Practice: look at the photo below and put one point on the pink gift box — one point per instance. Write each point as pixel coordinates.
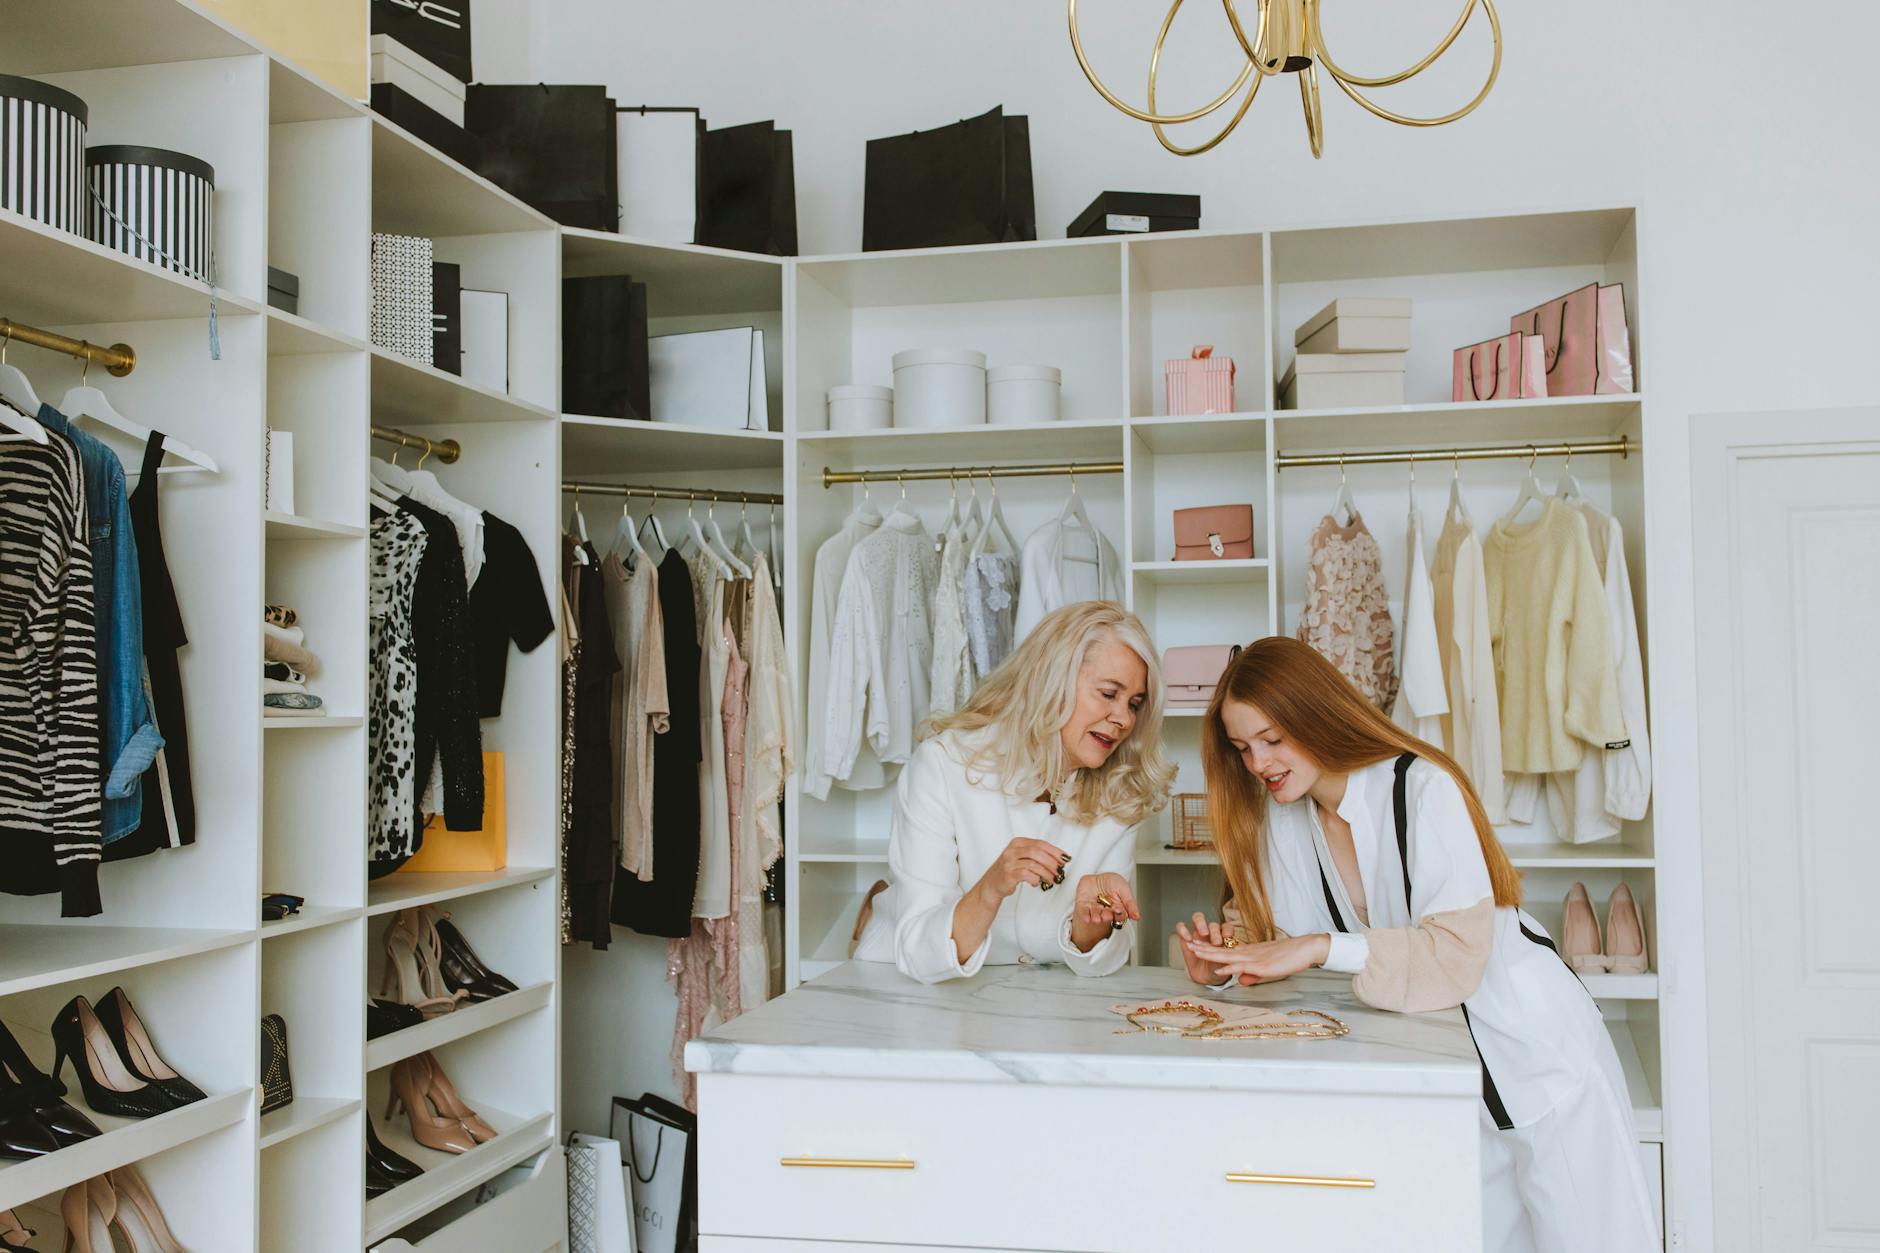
(1200, 383)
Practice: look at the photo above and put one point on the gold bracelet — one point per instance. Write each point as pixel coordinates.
(1208, 1018)
(1330, 1029)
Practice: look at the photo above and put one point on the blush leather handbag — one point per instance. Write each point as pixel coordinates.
(1191, 673)
(1214, 533)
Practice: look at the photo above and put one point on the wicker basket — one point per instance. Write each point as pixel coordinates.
(1190, 823)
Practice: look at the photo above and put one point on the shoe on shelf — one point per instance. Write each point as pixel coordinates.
(13, 1233)
(103, 1076)
(89, 1208)
(378, 1183)
(411, 969)
(390, 1163)
(1579, 934)
(44, 1094)
(22, 1134)
(1625, 934)
(139, 1219)
(866, 912)
(443, 1094)
(460, 963)
(432, 1128)
(385, 1017)
(128, 1033)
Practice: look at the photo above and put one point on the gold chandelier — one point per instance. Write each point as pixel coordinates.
(1286, 40)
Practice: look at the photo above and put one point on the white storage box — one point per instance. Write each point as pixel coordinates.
(1017, 394)
(1358, 324)
(42, 153)
(710, 378)
(1342, 380)
(939, 387)
(860, 407)
(421, 79)
(484, 317)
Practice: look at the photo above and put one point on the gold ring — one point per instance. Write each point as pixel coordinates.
(1105, 901)
(1231, 942)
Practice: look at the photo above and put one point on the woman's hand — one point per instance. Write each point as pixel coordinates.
(1213, 934)
(1112, 888)
(1023, 861)
(1259, 963)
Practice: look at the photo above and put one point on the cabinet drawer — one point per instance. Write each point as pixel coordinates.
(1097, 1169)
(529, 1215)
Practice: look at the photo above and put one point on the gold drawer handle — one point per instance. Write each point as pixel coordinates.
(1310, 1181)
(847, 1163)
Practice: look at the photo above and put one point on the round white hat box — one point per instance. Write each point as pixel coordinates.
(860, 407)
(939, 387)
(1023, 394)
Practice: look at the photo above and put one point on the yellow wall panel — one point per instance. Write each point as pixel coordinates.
(323, 37)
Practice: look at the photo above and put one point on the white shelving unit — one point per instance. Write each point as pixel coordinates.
(303, 178)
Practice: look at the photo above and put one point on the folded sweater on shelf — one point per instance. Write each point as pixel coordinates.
(285, 644)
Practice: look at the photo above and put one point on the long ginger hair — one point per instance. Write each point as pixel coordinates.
(1317, 708)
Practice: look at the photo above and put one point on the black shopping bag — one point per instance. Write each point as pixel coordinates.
(659, 1149)
(747, 189)
(437, 30)
(604, 370)
(968, 183)
(550, 145)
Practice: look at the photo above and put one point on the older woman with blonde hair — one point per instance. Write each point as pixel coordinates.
(1037, 783)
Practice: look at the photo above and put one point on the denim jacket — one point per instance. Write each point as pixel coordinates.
(130, 736)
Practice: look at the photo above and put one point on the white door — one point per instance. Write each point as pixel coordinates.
(1787, 522)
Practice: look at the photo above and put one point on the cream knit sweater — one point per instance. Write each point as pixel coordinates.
(1553, 651)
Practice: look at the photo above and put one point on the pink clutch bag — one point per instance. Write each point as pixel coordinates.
(1588, 343)
(1192, 672)
(1214, 533)
(1200, 383)
(1511, 367)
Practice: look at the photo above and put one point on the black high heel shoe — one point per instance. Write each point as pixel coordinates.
(13, 1233)
(44, 1094)
(394, 1165)
(384, 1017)
(107, 1082)
(21, 1133)
(139, 1051)
(462, 967)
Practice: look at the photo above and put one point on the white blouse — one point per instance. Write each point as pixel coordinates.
(1061, 565)
(950, 825)
(832, 560)
(1421, 701)
(881, 648)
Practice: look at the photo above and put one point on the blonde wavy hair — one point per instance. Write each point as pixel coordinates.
(1025, 703)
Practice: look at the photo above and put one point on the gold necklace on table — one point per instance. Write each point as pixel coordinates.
(1209, 1025)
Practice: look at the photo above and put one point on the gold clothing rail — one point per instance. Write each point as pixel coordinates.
(119, 359)
(1622, 446)
(445, 450)
(831, 478)
(706, 494)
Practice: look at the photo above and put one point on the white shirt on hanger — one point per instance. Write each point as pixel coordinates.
(1473, 723)
(952, 678)
(1061, 565)
(881, 648)
(1421, 700)
(832, 561)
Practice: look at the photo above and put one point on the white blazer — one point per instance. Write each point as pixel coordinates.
(950, 825)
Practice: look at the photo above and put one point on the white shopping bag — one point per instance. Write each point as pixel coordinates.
(656, 1149)
(598, 1221)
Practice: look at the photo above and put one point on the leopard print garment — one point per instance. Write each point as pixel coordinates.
(397, 548)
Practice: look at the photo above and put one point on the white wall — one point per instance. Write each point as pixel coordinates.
(1748, 141)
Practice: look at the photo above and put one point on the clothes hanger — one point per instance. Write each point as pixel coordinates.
(377, 492)
(953, 512)
(868, 512)
(697, 535)
(17, 390)
(995, 521)
(1073, 511)
(747, 542)
(1457, 510)
(577, 526)
(1531, 490)
(1568, 488)
(1344, 499)
(775, 539)
(626, 534)
(86, 401)
(652, 520)
(975, 517)
(723, 550)
(901, 506)
(378, 481)
(393, 477)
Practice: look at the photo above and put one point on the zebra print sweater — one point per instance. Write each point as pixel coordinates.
(51, 775)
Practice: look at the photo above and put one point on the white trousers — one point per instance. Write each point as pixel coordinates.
(1571, 1181)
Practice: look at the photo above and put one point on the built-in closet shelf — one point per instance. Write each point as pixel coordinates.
(407, 891)
(815, 969)
(1647, 1114)
(447, 1175)
(303, 1114)
(414, 394)
(290, 335)
(417, 190)
(296, 96)
(877, 855)
(1471, 422)
(1159, 854)
(293, 526)
(1197, 712)
(43, 956)
(54, 278)
(1188, 573)
(1100, 440)
(604, 447)
(682, 280)
(971, 274)
(1622, 987)
(314, 722)
(1213, 432)
(465, 1020)
(58, 36)
(124, 1141)
(1605, 855)
(309, 918)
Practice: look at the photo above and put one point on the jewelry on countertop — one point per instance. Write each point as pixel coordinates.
(1211, 1025)
(1331, 1029)
(1208, 1018)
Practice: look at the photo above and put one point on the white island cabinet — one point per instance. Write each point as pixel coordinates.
(1008, 1111)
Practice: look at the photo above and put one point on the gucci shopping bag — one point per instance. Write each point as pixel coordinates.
(658, 1142)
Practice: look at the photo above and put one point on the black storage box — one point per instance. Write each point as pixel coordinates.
(283, 290)
(395, 104)
(446, 317)
(437, 30)
(1136, 212)
(604, 372)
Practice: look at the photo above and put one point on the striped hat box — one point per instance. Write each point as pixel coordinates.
(42, 152)
(154, 204)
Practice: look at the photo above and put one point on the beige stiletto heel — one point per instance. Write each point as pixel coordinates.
(1579, 934)
(138, 1215)
(443, 1095)
(88, 1207)
(1625, 934)
(447, 1135)
(13, 1233)
(407, 980)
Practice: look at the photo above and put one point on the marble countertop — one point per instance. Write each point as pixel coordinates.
(1045, 1025)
